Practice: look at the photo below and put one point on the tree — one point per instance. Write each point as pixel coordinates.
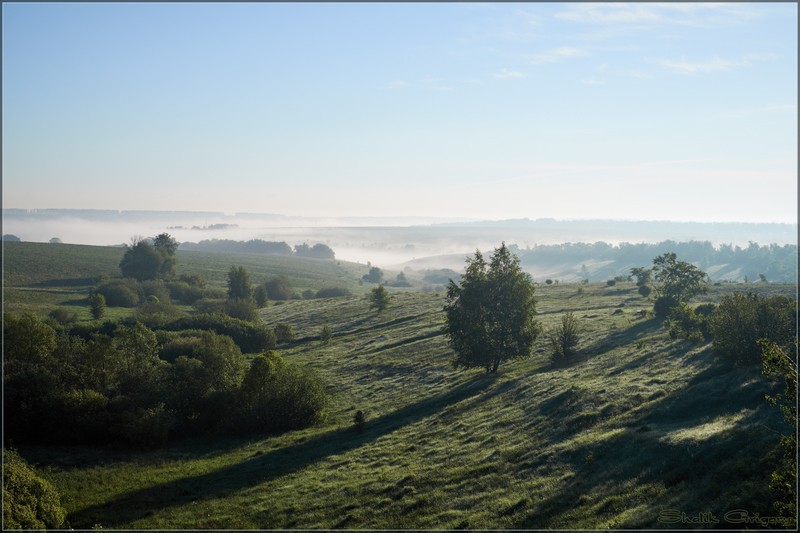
(239, 284)
(375, 275)
(166, 246)
(490, 315)
(141, 261)
(97, 305)
(29, 501)
(676, 282)
(279, 288)
(261, 296)
(379, 298)
(564, 337)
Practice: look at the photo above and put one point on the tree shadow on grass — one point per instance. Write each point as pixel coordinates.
(264, 467)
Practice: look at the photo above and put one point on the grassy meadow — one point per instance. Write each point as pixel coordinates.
(633, 428)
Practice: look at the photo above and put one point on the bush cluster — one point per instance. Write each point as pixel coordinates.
(125, 385)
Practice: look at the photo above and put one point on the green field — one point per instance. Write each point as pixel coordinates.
(634, 426)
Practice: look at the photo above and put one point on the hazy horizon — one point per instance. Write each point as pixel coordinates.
(633, 111)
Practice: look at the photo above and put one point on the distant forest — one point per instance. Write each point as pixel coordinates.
(258, 246)
(600, 260)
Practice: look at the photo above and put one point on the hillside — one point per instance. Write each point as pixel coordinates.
(637, 424)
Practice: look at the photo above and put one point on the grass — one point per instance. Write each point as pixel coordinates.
(633, 425)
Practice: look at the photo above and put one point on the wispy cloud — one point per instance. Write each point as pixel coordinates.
(555, 55)
(505, 74)
(646, 14)
(714, 64)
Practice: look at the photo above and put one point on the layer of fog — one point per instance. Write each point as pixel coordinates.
(389, 243)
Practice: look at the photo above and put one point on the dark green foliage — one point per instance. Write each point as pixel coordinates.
(278, 288)
(644, 290)
(239, 284)
(260, 296)
(97, 305)
(782, 363)
(375, 275)
(11, 238)
(63, 317)
(379, 298)
(676, 282)
(141, 261)
(166, 246)
(326, 334)
(741, 320)
(490, 315)
(284, 332)
(29, 502)
(611, 282)
(250, 337)
(642, 275)
(155, 313)
(279, 397)
(242, 309)
(194, 280)
(120, 293)
(564, 337)
(332, 292)
(183, 292)
(359, 420)
(690, 323)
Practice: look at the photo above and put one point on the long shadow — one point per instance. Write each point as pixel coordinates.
(265, 467)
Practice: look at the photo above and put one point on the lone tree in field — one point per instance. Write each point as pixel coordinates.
(676, 282)
(490, 315)
(564, 337)
(143, 260)
(379, 298)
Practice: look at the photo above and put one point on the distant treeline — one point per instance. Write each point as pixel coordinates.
(258, 246)
(600, 260)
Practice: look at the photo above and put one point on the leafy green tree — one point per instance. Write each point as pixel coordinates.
(564, 337)
(166, 246)
(379, 298)
(141, 261)
(97, 305)
(642, 275)
(239, 284)
(284, 332)
(490, 315)
(676, 282)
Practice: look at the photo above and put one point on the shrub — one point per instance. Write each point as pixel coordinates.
(685, 322)
(564, 337)
(29, 502)
(332, 292)
(611, 282)
(278, 288)
(250, 337)
(308, 294)
(379, 298)
(741, 320)
(183, 293)
(242, 309)
(326, 334)
(359, 420)
(63, 316)
(155, 314)
(261, 295)
(154, 289)
(645, 290)
(284, 332)
(119, 293)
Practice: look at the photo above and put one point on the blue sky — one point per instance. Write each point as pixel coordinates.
(493, 111)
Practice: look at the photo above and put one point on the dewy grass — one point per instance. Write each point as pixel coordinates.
(630, 426)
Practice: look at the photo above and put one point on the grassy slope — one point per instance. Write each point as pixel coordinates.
(635, 424)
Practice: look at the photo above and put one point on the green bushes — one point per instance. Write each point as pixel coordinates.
(120, 293)
(741, 320)
(690, 323)
(250, 337)
(332, 292)
(29, 502)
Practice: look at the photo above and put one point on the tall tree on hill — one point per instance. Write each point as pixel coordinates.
(491, 314)
(239, 284)
(676, 282)
(144, 261)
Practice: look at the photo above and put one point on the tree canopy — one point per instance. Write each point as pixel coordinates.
(490, 314)
(676, 282)
(144, 260)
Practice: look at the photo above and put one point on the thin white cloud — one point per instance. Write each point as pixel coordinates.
(714, 64)
(647, 14)
(505, 74)
(555, 55)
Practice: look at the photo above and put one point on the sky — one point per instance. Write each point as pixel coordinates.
(675, 111)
